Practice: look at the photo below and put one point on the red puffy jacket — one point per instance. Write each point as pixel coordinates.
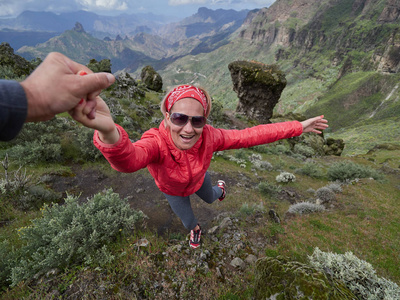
(181, 172)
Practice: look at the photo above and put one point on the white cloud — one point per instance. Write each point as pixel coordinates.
(103, 4)
(185, 2)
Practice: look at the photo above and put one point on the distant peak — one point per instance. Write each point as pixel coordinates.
(78, 27)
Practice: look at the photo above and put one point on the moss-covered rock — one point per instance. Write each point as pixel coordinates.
(151, 78)
(258, 87)
(279, 278)
(334, 146)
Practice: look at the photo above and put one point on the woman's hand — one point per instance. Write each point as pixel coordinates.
(313, 124)
(99, 119)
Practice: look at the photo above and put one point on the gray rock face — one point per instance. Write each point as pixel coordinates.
(258, 87)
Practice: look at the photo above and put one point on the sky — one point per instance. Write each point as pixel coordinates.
(176, 8)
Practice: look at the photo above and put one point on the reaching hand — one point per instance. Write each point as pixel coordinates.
(55, 87)
(100, 119)
(311, 125)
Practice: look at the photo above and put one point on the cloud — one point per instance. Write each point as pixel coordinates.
(220, 2)
(103, 4)
(185, 2)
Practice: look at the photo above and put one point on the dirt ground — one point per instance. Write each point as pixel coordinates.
(142, 193)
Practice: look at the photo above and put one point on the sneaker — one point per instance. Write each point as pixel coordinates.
(194, 241)
(221, 184)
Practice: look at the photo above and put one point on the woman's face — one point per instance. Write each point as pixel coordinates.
(184, 137)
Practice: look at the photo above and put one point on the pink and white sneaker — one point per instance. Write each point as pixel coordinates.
(221, 184)
(195, 235)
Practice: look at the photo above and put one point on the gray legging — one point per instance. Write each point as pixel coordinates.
(181, 205)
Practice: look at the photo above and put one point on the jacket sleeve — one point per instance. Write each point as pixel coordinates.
(262, 134)
(125, 156)
(13, 109)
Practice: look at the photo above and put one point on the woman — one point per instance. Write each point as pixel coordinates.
(179, 152)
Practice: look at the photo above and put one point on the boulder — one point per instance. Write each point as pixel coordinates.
(279, 278)
(334, 147)
(258, 87)
(151, 79)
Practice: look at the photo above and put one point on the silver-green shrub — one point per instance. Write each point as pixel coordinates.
(305, 208)
(347, 170)
(325, 195)
(335, 187)
(267, 188)
(304, 150)
(286, 177)
(73, 233)
(311, 169)
(358, 275)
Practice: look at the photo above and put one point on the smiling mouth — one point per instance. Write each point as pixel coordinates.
(186, 137)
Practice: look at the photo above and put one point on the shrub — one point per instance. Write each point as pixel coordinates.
(357, 274)
(304, 150)
(267, 188)
(347, 170)
(285, 177)
(310, 169)
(326, 195)
(263, 165)
(256, 160)
(34, 197)
(305, 208)
(72, 234)
(335, 187)
(40, 142)
(87, 148)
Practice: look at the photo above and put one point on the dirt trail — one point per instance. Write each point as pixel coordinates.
(140, 190)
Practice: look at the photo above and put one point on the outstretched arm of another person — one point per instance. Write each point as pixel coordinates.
(315, 124)
(55, 87)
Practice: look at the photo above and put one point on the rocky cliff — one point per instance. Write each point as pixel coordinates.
(302, 26)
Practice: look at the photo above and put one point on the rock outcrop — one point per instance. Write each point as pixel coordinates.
(151, 79)
(258, 87)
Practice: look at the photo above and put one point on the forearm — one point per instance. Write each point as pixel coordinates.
(125, 156)
(261, 134)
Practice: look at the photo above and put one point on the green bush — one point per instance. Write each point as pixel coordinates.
(84, 138)
(304, 150)
(40, 142)
(72, 234)
(268, 189)
(310, 169)
(358, 275)
(347, 170)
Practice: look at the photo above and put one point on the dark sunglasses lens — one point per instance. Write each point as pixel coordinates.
(179, 119)
(198, 122)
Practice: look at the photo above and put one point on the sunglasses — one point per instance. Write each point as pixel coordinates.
(181, 120)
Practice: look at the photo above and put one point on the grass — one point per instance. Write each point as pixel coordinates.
(362, 221)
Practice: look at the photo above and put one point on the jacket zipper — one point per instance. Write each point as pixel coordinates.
(189, 169)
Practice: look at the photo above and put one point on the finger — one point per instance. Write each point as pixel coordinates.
(92, 114)
(92, 84)
(73, 66)
(90, 107)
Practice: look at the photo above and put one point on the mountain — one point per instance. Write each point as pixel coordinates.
(213, 30)
(205, 22)
(82, 47)
(341, 59)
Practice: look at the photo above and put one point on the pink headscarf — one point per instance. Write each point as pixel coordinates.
(185, 91)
